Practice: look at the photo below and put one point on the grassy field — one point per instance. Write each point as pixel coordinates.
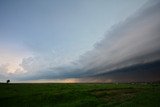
(80, 95)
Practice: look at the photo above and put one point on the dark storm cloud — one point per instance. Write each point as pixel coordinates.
(134, 41)
(129, 44)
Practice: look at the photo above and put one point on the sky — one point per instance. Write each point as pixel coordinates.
(75, 40)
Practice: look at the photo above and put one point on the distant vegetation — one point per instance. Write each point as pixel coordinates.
(80, 95)
(8, 81)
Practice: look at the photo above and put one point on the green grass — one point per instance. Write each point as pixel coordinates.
(80, 95)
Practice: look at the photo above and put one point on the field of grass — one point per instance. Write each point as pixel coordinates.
(80, 95)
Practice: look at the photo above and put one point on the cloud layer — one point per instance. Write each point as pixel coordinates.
(135, 41)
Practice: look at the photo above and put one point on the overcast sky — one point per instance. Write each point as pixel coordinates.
(51, 39)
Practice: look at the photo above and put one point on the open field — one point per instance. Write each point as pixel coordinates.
(80, 95)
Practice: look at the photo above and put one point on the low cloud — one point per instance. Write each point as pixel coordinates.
(134, 41)
(131, 42)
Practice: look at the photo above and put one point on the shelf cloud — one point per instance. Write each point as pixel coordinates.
(126, 53)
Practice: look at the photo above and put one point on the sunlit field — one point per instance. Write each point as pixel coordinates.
(80, 95)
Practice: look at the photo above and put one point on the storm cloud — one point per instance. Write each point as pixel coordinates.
(132, 43)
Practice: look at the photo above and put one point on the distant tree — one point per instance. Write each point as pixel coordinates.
(8, 81)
